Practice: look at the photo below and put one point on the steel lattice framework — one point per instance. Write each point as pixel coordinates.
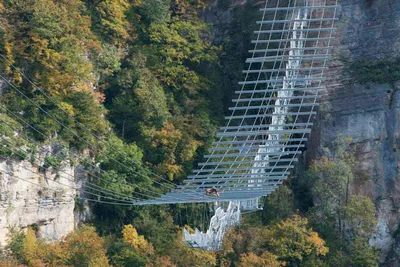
(270, 118)
(272, 114)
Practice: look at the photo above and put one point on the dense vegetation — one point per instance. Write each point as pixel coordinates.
(134, 89)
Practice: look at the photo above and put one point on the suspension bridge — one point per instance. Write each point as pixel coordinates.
(266, 131)
(270, 118)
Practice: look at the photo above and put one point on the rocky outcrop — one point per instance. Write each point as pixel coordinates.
(41, 198)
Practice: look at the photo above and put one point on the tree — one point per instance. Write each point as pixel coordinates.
(111, 21)
(154, 11)
(30, 250)
(54, 43)
(179, 45)
(85, 248)
(278, 206)
(122, 254)
(360, 216)
(138, 242)
(265, 259)
(362, 255)
(331, 181)
(165, 142)
(293, 241)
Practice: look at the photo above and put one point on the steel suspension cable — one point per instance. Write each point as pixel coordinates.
(68, 114)
(97, 187)
(38, 131)
(72, 132)
(68, 186)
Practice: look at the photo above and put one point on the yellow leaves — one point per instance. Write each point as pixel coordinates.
(166, 141)
(289, 242)
(68, 108)
(85, 248)
(188, 6)
(182, 45)
(266, 259)
(360, 216)
(50, 38)
(164, 261)
(318, 243)
(113, 20)
(189, 149)
(170, 169)
(293, 240)
(131, 237)
(30, 249)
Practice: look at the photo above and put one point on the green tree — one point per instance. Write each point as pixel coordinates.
(331, 181)
(360, 216)
(278, 206)
(362, 255)
(154, 11)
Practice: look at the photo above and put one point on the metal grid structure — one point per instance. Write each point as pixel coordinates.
(273, 111)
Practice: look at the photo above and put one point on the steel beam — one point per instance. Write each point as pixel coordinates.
(283, 70)
(299, 124)
(292, 40)
(298, 8)
(296, 20)
(244, 168)
(297, 30)
(290, 49)
(281, 58)
(256, 147)
(229, 185)
(279, 90)
(314, 79)
(312, 97)
(271, 115)
(251, 155)
(260, 141)
(267, 132)
(230, 175)
(267, 178)
(245, 162)
(275, 106)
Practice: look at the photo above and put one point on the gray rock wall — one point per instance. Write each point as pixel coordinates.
(43, 199)
(369, 114)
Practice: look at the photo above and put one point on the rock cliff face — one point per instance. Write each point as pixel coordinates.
(368, 113)
(30, 196)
